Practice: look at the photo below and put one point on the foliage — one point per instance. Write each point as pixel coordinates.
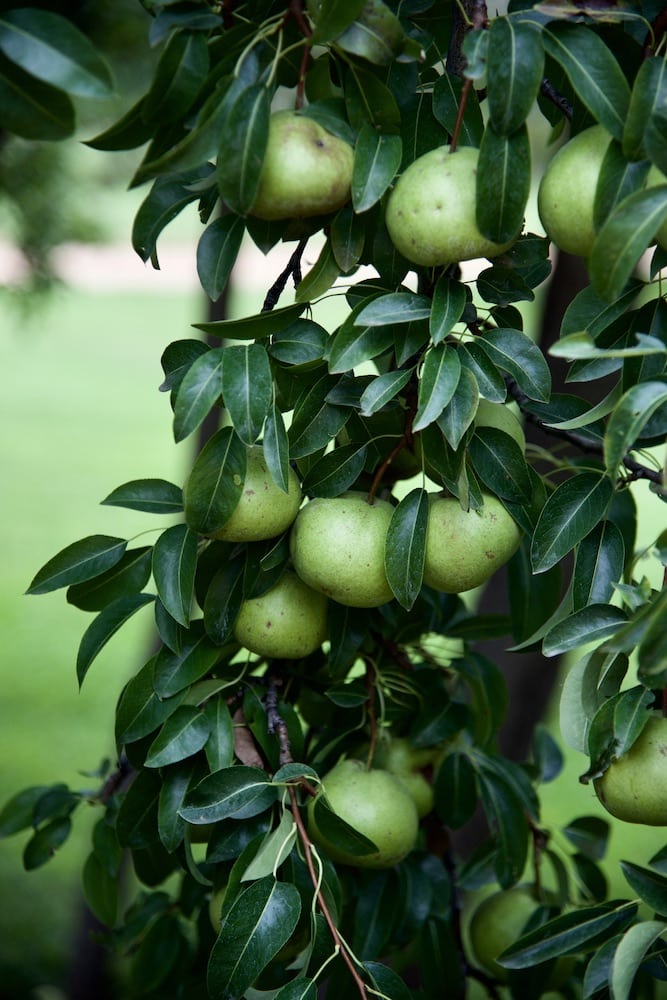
(220, 745)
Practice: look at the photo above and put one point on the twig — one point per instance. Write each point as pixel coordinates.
(293, 267)
(549, 91)
(404, 442)
(372, 717)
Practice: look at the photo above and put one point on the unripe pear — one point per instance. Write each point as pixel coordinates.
(634, 787)
(431, 213)
(264, 510)
(285, 623)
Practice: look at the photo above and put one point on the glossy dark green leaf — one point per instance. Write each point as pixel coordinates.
(590, 835)
(101, 890)
(438, 379)
(460, 411)
(447, 91)
(53, 49)
(301, 343)
(175, 783)
(405, 547)
(369, 100)
(219, 747)
(347, 235)
(388, 982)
(30, 108)
(104, 627)
(237, 792)
(167, 198)
(131, 130)
(275, 445)
(298, 989)
(649, 886)
(515, 353)
(223, 600)
(17, 813)
(599, 565)
(500, 464)
(503, 183)
(455, 790)
(315, 421)
(333, 17)
(618, 178)
(136, 823)
(629, 417)
(321, 276)
(588, 311)
(475, 48)
(377, 36)
(128, 576)
(489, 379)
(570, 513)
(198, 392)
(624, 237)
(506, 816)
(247, 388)
(593, 71)
(176, 361)
(336, 471)
(173, 672)
(577, 931)
(383, 389)
(174, 565)
(377, 157)
(214, 486)
(589, 624)
(648, 97)
(217, 251)
(243, 139)
(182, 735)
(655, 138)
(178, 77)
(515, 67)
(264, 324)
(396, 307)
(630, 954)
(45, 842)
(254, 929)
(333, 829)
(140, 710)
(351, 345)
(153, 496)
(449, 301)
(82, 560)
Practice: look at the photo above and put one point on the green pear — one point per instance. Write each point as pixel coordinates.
(431, 213)
(264, 510)
(306, 170)
(287, 622)
(634, 786)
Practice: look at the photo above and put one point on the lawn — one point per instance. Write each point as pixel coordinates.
(81, 414)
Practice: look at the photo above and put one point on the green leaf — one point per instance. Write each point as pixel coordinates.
(274, 850)
(17, 813)
(315, 421)
(298, 989)
(223, 600)
(173, 672)
(136, 823)
(264, 324)
(217, 251)
(623, 238)
(351, 345)
(648, 98)
(460, 411)
(51, 48)
(45, 842)
(515, 353)
(336, 471)
(438, 379)
(388, 982)
(506, 816)
(153, 496)
(247, 388)
(629, 417)
(590, 836)
(219, 747)
(333, 17)
(128, 576)
(214, 486)
(570, 513)
(377, 157)
(376, 36)
(140, 710)
(489, 380)
(321, 276)
(254, 929)
(333, 829)
(32, 109)
(174, 565)
(649, 886)
(630, 953)
(301, 343)
(82, 560)
(183, 734)
(594, 73)
(369, 100)
(275, 446)
(617, 180)
(383, 389)
(503, 183)
(130, 131)
(589, 624)
(515, 67)
(237, 792)
(198, 392)
(178, 77)
(599, 565)
(396, 307)
(447, 91)
(405, 547)
(347, 235)
(243, 139)
(166, 199)
(449, 301)
(101, 890)
(455, 790)
(104, 626)
(499, 462)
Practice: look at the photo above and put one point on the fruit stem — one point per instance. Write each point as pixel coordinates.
(465, 93)
(372, 717)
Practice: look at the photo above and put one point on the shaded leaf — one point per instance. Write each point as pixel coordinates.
(153, 496)
(243, 139)
(377, 157)
(405, 547)
(247, 388)
(570, 513)
(217, 251)
(503, 183)
(79, 561)
(104, 626)
(174, 565)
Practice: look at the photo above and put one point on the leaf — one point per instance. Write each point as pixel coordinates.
(515, 353)
(336, 471)
(174, 565)
(590, 836)
(264, 324)
(396, 307)
(589, 624)
(377, 157)
(44, 842)
(352, 344)
(455, 790)
(104, 626)
(223, 600)
(459, 413)
(219, 747)
(649, 886)
(217, 251)
(347, 235)
(623, 238)
(198, 392)
(333, 829)
(275, 445)
(599, 565)
(489, 380)
(447, 90)
(617, 179)
(438, 379)
(405, 547)
(503, 183)
(449, 301)
(321, 276)
(254, 929)
(315, 421)
(570, 513)
(183, 734)
(388, 982)
(301, 343)
(237, 792)
(32, 109)
(648, 97)
(499, 462)
(178, 77)
(214, 486)
(514, 67)
(243, 138)
(128, 576)
(247, 388)
(140, 710)
(168, 196)
(51, 48)
(334, 17)
(383, 389)
(153, 496)
(506, 816)
(630, 953)
(274, 850)
(629, 417)
(594, 73)
(82, 560)
(173, 672)
(17, 813)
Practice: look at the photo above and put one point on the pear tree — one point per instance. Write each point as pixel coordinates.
(320, 651)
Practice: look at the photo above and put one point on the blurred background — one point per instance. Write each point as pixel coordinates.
(83, 323)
